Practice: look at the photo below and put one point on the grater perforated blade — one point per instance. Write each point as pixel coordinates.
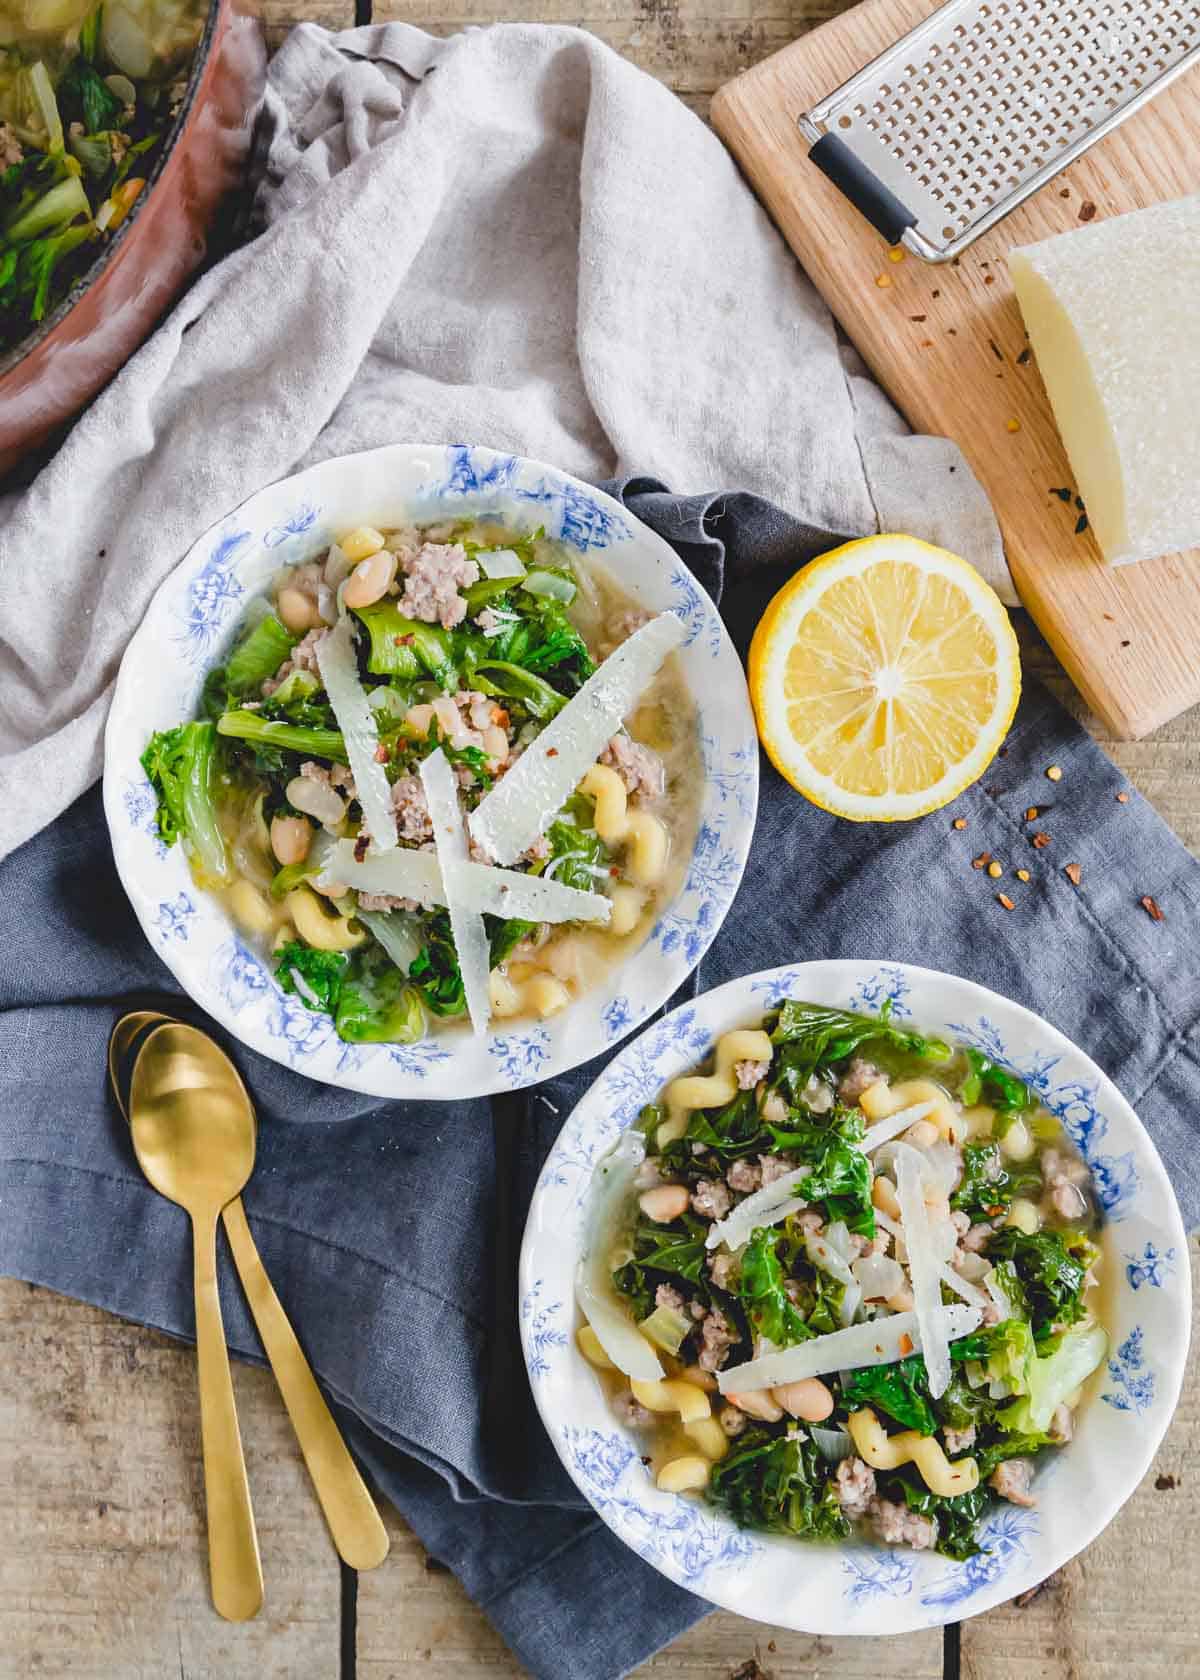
(980, 105)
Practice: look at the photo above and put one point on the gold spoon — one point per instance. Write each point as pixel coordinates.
(355, 1524)
(194, 1140)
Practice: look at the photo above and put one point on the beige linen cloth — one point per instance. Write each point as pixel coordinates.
(512, 238)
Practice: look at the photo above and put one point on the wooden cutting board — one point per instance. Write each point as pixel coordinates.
(948, 344)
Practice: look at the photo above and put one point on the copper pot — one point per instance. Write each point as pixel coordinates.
(50, 375)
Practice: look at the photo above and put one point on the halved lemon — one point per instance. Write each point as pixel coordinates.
(884, 678)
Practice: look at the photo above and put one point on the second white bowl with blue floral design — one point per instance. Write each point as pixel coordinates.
(856, 1588)
(187, 629)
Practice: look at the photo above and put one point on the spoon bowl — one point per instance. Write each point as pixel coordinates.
(192, 1119)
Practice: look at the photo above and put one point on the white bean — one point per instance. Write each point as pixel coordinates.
(808, 1399)
(1017, 1143)
(370, 580)
(290, 838)
(317, 800)
(665, 1202)
(758, 1403)
(297, 610)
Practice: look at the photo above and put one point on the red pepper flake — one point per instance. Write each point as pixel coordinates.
(1073, 873)
(1040, 841)
(982, 861)
(405, 641)
(1031, 814)
(551, 752)
(1064, 192)
(960, 822)
(360, 847)
(381, 754)
(1022, 874)
(906, 1344)
(989, 279)
(1150, 906)
(1003, 899)
(1122, 798)
(1086, 210)
(614, 872)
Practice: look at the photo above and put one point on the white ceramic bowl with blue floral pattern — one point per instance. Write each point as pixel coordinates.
(861, 1588)
(187, 629)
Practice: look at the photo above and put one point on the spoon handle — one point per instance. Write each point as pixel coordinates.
(355, 1524)
(234, 1565)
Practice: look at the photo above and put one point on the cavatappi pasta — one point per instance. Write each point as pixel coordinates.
(867, 1263)
(348, 680)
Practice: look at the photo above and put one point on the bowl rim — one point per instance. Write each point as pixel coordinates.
(736, 1002)
(392, 1081)
(107, 254)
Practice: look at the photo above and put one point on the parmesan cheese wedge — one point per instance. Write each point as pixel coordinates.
(450, 838)
(494, 892)
(1112, 315)
(883, 1341)
(507, 821)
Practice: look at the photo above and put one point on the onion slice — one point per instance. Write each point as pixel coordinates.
(499, 563)
(737, 1227)
(339, 672)
(508, 820)
(470, 935)
(396, 931)
(966, 1291)
(883, 1131)
(615, 1330)
(924, 1267)
(883, 1341)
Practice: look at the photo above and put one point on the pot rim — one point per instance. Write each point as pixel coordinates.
(14, 357)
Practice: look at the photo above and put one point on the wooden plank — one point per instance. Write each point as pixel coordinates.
(1127, 1608)
(103, 1571)
(279, 16)
(944, 341)
(692, 45)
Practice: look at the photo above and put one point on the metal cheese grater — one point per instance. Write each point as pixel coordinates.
(980, 105)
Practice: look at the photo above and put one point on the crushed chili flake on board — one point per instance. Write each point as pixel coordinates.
(1040, 841)
(1003, 899)
(1023, 875)
(1031, 814)
(1122, 798)
(1086, 210)
(1054, 773)
(960, 822)
(1150, 906)
(1073, 873)
(982, 861)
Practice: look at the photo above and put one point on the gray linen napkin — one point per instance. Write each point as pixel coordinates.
(391, 1229)
(512, 237)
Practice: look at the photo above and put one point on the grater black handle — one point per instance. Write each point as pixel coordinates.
(886, 214)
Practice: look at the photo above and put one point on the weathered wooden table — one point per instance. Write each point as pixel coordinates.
(102, 1565)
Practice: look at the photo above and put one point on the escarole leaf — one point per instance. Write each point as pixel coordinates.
(811, 1035)
(762, 1293)
(179, 763)
(900, 1390)
(259, 655)
(780, 1483)
(1079, 1352)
